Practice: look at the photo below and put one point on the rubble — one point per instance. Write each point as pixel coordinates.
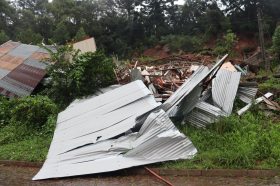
(130, 125)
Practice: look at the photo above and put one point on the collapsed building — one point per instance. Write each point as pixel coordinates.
(124, 126)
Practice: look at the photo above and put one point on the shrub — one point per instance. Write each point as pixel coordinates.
(276, 42)
(3, 37)
(74, 76)
(33, 112)
(182, 42)
(226, 44)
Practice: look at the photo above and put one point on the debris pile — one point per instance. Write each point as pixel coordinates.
(162, 76)
(126, 126)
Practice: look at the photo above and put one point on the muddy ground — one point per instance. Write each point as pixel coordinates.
(13, 176)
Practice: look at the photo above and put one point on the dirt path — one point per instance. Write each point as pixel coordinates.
(13, 176)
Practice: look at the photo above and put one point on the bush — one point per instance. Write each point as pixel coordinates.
(74, 76)
(33, 112)
(276, 42)
(180, 42)
(226, 44)
(3, 37)
(26, 117)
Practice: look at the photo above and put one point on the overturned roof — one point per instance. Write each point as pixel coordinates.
(119, 129)
(21, 68)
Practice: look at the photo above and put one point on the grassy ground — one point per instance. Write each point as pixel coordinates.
(250, 141)
(34, 149)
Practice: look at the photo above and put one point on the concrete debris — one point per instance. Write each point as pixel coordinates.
(119, 129)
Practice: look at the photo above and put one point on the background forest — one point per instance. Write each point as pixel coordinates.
(123, 27)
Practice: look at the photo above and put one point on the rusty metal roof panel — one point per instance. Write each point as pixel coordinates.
(7, 47)
(3, 72)
(23, 80)
(36, 64)
(9, 62)
(13, 87)
(21, 68)
(39, 56)
(49, 47)
(24, 51)
(27, 75)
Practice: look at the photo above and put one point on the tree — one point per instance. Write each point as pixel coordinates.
(227, 43)
(29, 37)
(276, 42)
(80, 35)
(3, 37)
(74, 76)
(61, 34)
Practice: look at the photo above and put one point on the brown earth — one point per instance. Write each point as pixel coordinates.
(11, 175)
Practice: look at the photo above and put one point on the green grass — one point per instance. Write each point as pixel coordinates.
(273, 84)
(34, 149)
(250, 141)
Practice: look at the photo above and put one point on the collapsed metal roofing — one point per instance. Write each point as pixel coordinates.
(21, 68)
(119, 129)
(122, 127)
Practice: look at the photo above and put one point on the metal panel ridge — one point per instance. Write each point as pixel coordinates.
(157, 140)
(194, 83)
(224, 89)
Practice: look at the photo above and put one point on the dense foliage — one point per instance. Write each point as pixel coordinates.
(276, 42)
(123, 26)
(26, 117)
(75, 75)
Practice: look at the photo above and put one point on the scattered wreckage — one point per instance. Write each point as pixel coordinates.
(126, 126)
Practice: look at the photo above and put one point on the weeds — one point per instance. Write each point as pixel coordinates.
(250, 141)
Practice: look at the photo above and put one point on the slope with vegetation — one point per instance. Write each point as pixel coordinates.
(122, 27)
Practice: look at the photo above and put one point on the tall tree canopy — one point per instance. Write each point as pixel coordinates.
(120, 26)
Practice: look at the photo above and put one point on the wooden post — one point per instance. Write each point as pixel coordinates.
(261, 36)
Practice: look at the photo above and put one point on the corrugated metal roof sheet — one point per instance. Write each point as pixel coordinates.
(224, 89)
(247, 94)
(27, 75)
(9, 62)
(36, 63)
(101, 128)
(3, 73)
(23, 51)
(185, 98)
(204, 114)
(39, 56)
(7, 47)
(21, 68)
